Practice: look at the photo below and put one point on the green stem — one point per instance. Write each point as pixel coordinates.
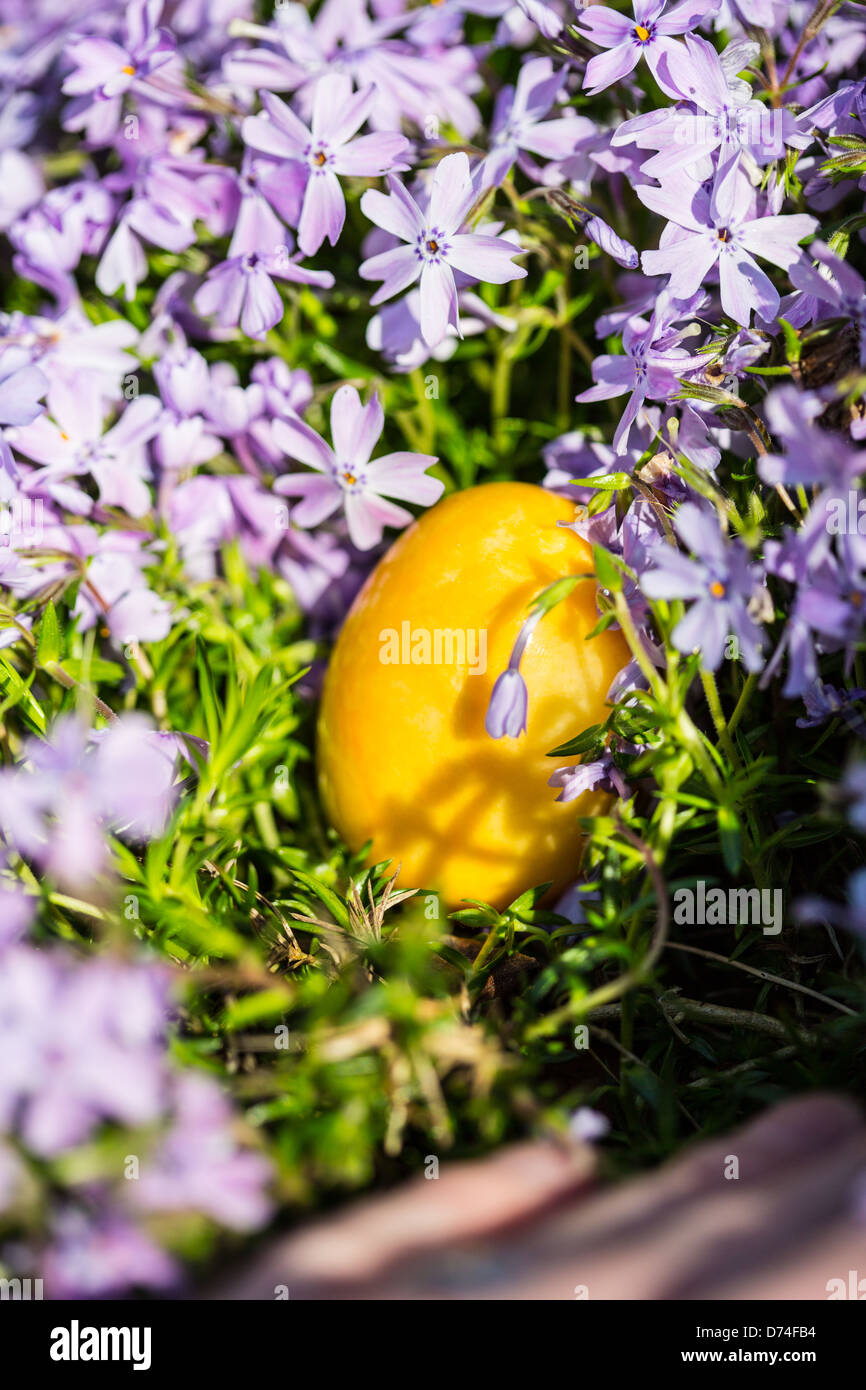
(742, 704)
(711, 690)
(630, 632)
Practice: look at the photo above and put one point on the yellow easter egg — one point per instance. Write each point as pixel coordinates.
(404, 757)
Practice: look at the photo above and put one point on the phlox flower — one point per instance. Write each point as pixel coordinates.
(719, 229)
(345, 475)
(435, 246)
(518, 123)
(835, 288)
(241, 291)
(602, 774)
(22, 387)
(651, 366)
(68, 441)
(722, 581)
(648, 35)
(104, 70)
(728, 118)
(58, 803)
(325, 150)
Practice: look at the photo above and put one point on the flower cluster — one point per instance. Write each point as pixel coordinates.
(85, 1043)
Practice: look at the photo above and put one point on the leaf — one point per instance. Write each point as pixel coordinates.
(793, 346)
(207, 694)
(453, 957)
(50, 644)
(555, 593)
(528, 901)
(609, 482)
(730, 838)
(608, 575)
(332, 901)
(18, 693)
(586, 742)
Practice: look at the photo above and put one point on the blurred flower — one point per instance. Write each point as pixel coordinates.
(517, 123)
(198, 1165)
(850, 916)
(84, 1043)
(102, 1256)
(588, 1125)
(56, 806)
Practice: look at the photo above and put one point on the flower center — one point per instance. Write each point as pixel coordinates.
(717, 589)
(130, 71)
(642, 33)
(350, 477)
(318, 157)
(724, 234)
(431, 245)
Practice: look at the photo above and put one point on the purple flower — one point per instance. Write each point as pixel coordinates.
(56, 807)
(600, 775)
(116, 596)
(396, 329)
(109, 69)
(346, 475)
(22, 387)
(823, 702)
(83, 1043)
(435, 246)
(509, 699)
(826, 613)
(728, 116)
(835, 289)
(241, 291)
(722, 581)
(651, 366)
(851, 916)
(408, 85)
(610, 242)
(648, 35)
(812, 455)
(103, 1256)
(199, 1166)
(325, 150)
(718, 229)
(68, 442)
(517, 122)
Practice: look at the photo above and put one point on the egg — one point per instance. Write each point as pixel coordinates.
(404, 759)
